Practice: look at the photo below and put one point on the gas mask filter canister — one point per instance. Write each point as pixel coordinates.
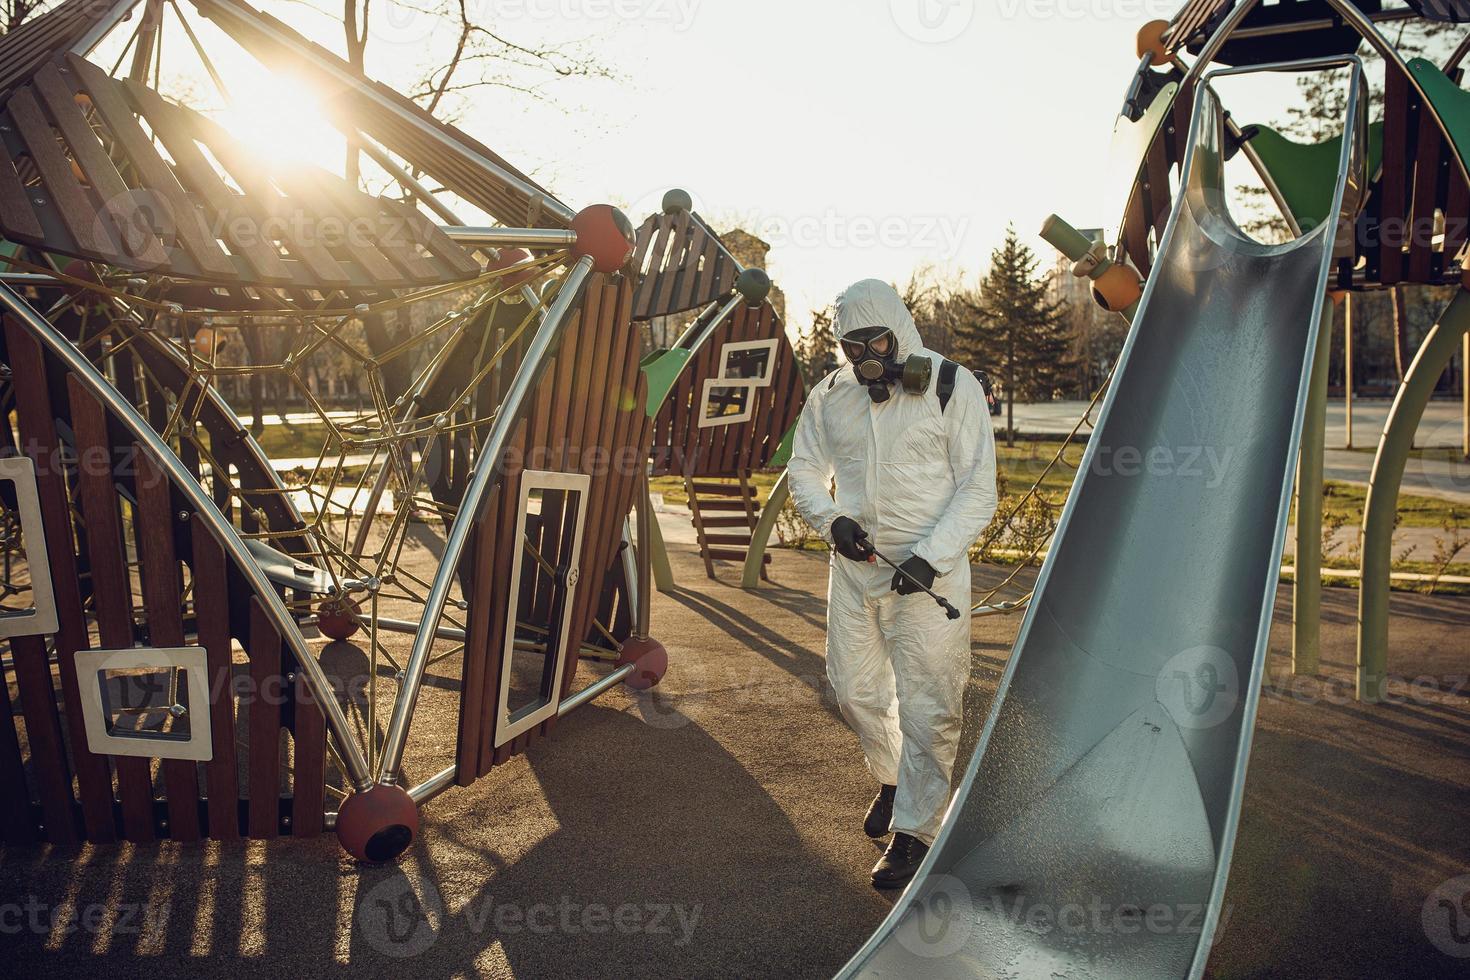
(873, 352)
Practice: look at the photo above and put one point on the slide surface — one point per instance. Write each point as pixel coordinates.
(1091, 835)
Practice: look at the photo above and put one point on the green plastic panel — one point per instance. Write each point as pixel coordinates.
(662, 370)
(1306, 173)
(1449, 100)
(783, 451)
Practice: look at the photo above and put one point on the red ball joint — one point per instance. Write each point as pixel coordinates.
(605, 235)
(649, 659)
(509, 257)
(378, 824)
(337, 618)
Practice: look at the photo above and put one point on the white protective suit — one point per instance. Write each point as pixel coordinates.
(920, 482)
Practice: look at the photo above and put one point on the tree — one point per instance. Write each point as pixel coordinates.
(816, 348)
(1016, 326)
(15, 12)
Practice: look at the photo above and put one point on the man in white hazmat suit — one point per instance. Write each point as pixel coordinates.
(915, 478)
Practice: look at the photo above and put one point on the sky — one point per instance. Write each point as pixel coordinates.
(865, 138)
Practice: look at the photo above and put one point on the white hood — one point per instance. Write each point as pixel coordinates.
(874, 303)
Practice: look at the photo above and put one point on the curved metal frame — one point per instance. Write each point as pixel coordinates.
(488, 475)
(86, 372)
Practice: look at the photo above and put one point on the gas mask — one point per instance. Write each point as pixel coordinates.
(873, 352)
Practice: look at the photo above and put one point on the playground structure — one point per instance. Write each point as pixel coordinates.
(726, 396)
(164, 580)
(1112, 765)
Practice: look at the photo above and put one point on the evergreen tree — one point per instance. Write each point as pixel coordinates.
(1016, 333)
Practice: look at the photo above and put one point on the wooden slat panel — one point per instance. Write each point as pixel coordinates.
(194, 234)
(647, 287)
(43, 736)
(507, 506)
(1397, 167)
(16, 216)
(111, 593)
(264, 705)
(108, 184)
(199, 177)
(162, 601)
(211, 593)
(17, 823)
(309, 770)
(67, 196)
(33, 398)
(1427, 174)
(664, 295)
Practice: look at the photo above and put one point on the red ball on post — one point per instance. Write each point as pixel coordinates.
(605, 235)
(377, 824)
(649, 659)
(337, 618)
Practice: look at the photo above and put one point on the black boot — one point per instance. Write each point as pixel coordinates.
(880, 814)
(897, 865)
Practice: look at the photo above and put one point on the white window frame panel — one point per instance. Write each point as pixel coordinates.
(506, 727)
(198, 746)
(41, 619)
(769, 345)
(749, 384)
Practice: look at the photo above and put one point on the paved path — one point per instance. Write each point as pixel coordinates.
(711, 828)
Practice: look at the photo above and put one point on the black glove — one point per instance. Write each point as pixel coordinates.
(851, 540)
(920, 571)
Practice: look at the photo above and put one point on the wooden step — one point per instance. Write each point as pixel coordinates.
(722, 504)
(730, 554)
(719, 489)
(740, 539)
(726, 520)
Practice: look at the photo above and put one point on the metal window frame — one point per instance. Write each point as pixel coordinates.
(769, 345)
(506, 726)
(41, 619)
(198, 746)
(749, 384)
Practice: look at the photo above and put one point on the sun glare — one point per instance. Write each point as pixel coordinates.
(279, 118)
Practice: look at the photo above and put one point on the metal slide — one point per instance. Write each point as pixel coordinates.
(1092, 833)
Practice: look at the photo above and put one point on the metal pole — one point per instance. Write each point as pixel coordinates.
(756, 555)
(479, 237)
(1307, 589)
(208, 513)
(1379, 511)
(658, 555)
(485, 477)
(1465, 398)
(1347, 363)
(645, 558)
